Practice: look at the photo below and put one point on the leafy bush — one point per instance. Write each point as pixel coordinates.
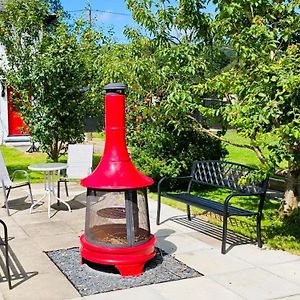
(161, 150)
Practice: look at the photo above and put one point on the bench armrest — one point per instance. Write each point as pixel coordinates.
(20, 171)
(261, 201)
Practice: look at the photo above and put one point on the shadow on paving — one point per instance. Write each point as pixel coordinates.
(17, 272)
(214, 231)
(74, 204)
(18, 204)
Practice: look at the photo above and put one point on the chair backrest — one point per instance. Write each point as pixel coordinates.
(80, 160)
(4, 176)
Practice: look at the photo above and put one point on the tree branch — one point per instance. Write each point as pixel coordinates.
(173, 39)
(256, 149)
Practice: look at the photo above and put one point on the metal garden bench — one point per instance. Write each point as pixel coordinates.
(220, 174)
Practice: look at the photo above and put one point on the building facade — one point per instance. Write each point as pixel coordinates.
(12, 127)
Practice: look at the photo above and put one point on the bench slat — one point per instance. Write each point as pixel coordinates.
(210, 205)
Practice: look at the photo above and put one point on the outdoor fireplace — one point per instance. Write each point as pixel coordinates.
(117, 227)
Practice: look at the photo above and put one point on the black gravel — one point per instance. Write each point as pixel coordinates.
(89, 279)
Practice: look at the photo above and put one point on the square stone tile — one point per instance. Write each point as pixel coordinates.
(74, 220)
(77, 214)
(210, 262)
(42, 286)
(294, 297)
(8, 220)
(261, 256)
(37, 262)
(163, 231)
(145, 293)
(47, 228)
(27, 218)
(196, 288)
(181, 243)
(209, 240)
(14, 232)
(57, 241)
(289, 270)
(20, 247)
(166, 212)
(256, 284)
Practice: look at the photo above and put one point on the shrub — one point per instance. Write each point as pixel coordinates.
(163, 150)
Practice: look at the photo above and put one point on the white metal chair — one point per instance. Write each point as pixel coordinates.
(7, 183)
(80, 160)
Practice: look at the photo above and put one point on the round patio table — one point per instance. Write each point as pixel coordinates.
(49, 170)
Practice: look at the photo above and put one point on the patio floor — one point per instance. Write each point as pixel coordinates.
(245, 272)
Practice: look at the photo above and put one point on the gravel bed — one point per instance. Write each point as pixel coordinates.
(89, 279)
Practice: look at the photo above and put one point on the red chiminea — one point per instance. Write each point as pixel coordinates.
(117, 226)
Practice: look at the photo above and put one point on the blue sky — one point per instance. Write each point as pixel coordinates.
(106, 13)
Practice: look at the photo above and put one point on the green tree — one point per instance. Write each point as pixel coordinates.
(169, 53)
(47, 67)
(262, 85)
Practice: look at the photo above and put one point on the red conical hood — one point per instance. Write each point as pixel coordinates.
(115, 170)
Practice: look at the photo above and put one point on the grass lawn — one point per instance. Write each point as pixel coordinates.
(17, 160)
(243, 155)
(240, 155)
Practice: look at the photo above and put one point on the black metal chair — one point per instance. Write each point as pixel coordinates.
(5, 244)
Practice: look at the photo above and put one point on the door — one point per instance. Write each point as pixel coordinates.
(16, 125)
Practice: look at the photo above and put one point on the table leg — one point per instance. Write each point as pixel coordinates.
(46, 194)
(49, 191)
(57, 198)
(65, 203)
(37, 202)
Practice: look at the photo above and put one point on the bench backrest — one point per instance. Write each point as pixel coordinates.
(226, 174)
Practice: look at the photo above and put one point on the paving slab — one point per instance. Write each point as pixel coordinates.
(289, 270)
(200, 288)
(262, 256)
(294, 297)
(20, 247)
(145, 293)
(256, 283)
(211, 262)
(33, 262)
(58, 241)
(181, 243)
(48, 286)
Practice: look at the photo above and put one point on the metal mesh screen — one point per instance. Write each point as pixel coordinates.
(117, 218)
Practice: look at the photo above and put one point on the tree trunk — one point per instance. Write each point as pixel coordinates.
(292, 193)
(54, 151)
(88, 136)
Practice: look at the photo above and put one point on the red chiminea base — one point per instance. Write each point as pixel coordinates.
(129, 261)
